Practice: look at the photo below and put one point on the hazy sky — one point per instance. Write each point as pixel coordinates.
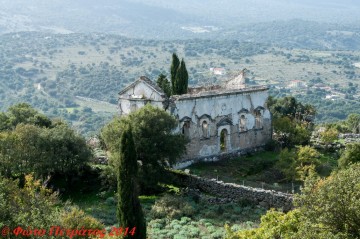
(120, 16)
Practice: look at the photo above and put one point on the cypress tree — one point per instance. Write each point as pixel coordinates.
(129, 211)
(173, 70)
(182, 79)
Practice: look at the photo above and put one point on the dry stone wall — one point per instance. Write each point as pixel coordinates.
(264, 198)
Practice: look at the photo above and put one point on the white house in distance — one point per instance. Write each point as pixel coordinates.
(218, 71)
(296, 84)
(218, 120)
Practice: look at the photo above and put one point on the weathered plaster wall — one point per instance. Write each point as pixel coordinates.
(223, 112)
(147, 92)
(219, 121)
(137, 96)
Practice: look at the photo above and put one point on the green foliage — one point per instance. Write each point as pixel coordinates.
(181, 79)
(350, 155)
(155, 143)
(289, 133)
(42, 150)
(74, 218)
(179, 76)
(329, 135)
(171, 207)
(353, 123)
(22, 113)
(43, 75)
(287, 163)
(333, 204)
(327, 208)
(292, 121)
(199, 218)
(175, 63)
(297, 164)
(178, 215)
(255, 170)
(164, 84)
(273, 225)
(32, 143)
(307, 160)
(34, 206)
(290, 107)
(129, 210)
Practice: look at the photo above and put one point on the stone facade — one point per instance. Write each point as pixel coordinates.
(217, 120)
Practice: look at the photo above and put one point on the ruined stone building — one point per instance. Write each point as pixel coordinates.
(218, 120)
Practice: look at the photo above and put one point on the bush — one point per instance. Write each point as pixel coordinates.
(327, 209)
(74, 218)
(171, 207)
(35, 206)
(350, 155)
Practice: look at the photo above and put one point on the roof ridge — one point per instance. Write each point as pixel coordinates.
(149, 82)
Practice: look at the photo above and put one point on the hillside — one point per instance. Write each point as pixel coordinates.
(74, 75)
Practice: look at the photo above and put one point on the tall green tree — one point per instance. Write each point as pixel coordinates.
(292, 121)
(164, 84)
(173, 71)
(181, 79)
(156, 145)
(129, 210)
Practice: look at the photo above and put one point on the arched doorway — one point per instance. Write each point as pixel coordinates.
(223, 140)
(186, 129)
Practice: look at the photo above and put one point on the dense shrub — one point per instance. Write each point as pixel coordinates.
(172, 207)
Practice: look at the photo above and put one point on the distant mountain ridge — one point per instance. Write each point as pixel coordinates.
(160, 19)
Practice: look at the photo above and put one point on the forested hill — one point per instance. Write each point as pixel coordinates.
(75, 75)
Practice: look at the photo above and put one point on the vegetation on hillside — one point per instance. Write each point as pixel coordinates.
(33, 210)
(77, 76)
(51, 150)
(326, 208)
(32, 143)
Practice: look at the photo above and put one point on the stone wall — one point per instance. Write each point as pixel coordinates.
(264, 198)
(350, 138)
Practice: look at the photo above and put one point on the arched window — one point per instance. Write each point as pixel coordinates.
(186, 129)
(258, 119)
(205, 129)
(242, 123)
